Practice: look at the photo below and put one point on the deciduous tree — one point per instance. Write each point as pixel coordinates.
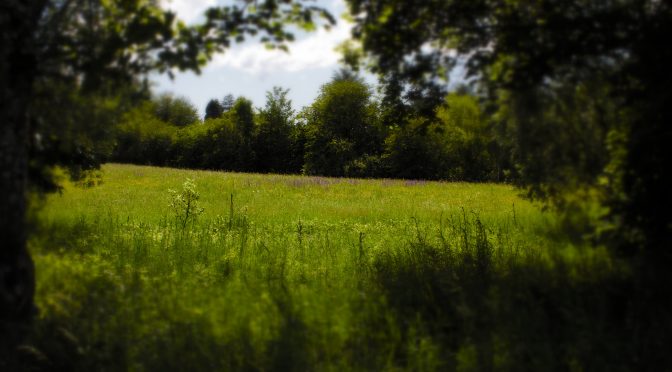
(177, 111)
(342, 126)
(213, 110)
(273, 137)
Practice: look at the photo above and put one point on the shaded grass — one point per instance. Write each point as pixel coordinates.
(308, 273)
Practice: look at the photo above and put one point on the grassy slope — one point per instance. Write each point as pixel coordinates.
(310, 273)
(142, 193)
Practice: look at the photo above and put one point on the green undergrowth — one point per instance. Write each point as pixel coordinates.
(297, 273)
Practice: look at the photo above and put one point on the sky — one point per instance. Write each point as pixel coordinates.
(250, 70)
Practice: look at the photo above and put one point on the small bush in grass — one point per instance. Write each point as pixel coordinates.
(185, 203)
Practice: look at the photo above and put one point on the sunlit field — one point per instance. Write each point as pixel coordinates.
(311, 273)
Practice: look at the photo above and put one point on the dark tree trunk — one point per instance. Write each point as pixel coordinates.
(647, 225)
(17, 73)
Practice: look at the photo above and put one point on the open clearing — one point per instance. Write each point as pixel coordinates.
(304, 273)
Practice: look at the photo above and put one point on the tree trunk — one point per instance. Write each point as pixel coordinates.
(17, 73)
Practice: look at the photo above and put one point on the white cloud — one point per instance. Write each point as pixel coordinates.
(313, 51)
(188, 10)
(316, 50)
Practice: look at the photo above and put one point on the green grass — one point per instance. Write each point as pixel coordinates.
(142, 193)
(311, 273)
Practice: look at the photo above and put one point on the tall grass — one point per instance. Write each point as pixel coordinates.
(305, 273)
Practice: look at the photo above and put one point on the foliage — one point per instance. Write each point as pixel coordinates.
(213, 144)
(571, 150)
(73, 130)
(217, 144)
(143, 138)
(298, 140)
(227, 102)
(341, 127)
(242, 113)
(471, 140)
(213, 110)
(176, 111)
(273, 137)
(458, 144)
(417, 150)
(185, 204)
(340, 134)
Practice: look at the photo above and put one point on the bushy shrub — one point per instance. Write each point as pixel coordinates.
(368, 166)
(184, 203)
(145, 139)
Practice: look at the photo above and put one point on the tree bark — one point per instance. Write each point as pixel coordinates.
(18, 22)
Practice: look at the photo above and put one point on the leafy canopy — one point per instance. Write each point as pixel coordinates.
(535, 62)
(99, 53)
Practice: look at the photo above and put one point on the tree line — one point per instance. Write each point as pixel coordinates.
(343, 133)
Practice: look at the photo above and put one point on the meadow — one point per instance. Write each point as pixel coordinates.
(297, 273)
